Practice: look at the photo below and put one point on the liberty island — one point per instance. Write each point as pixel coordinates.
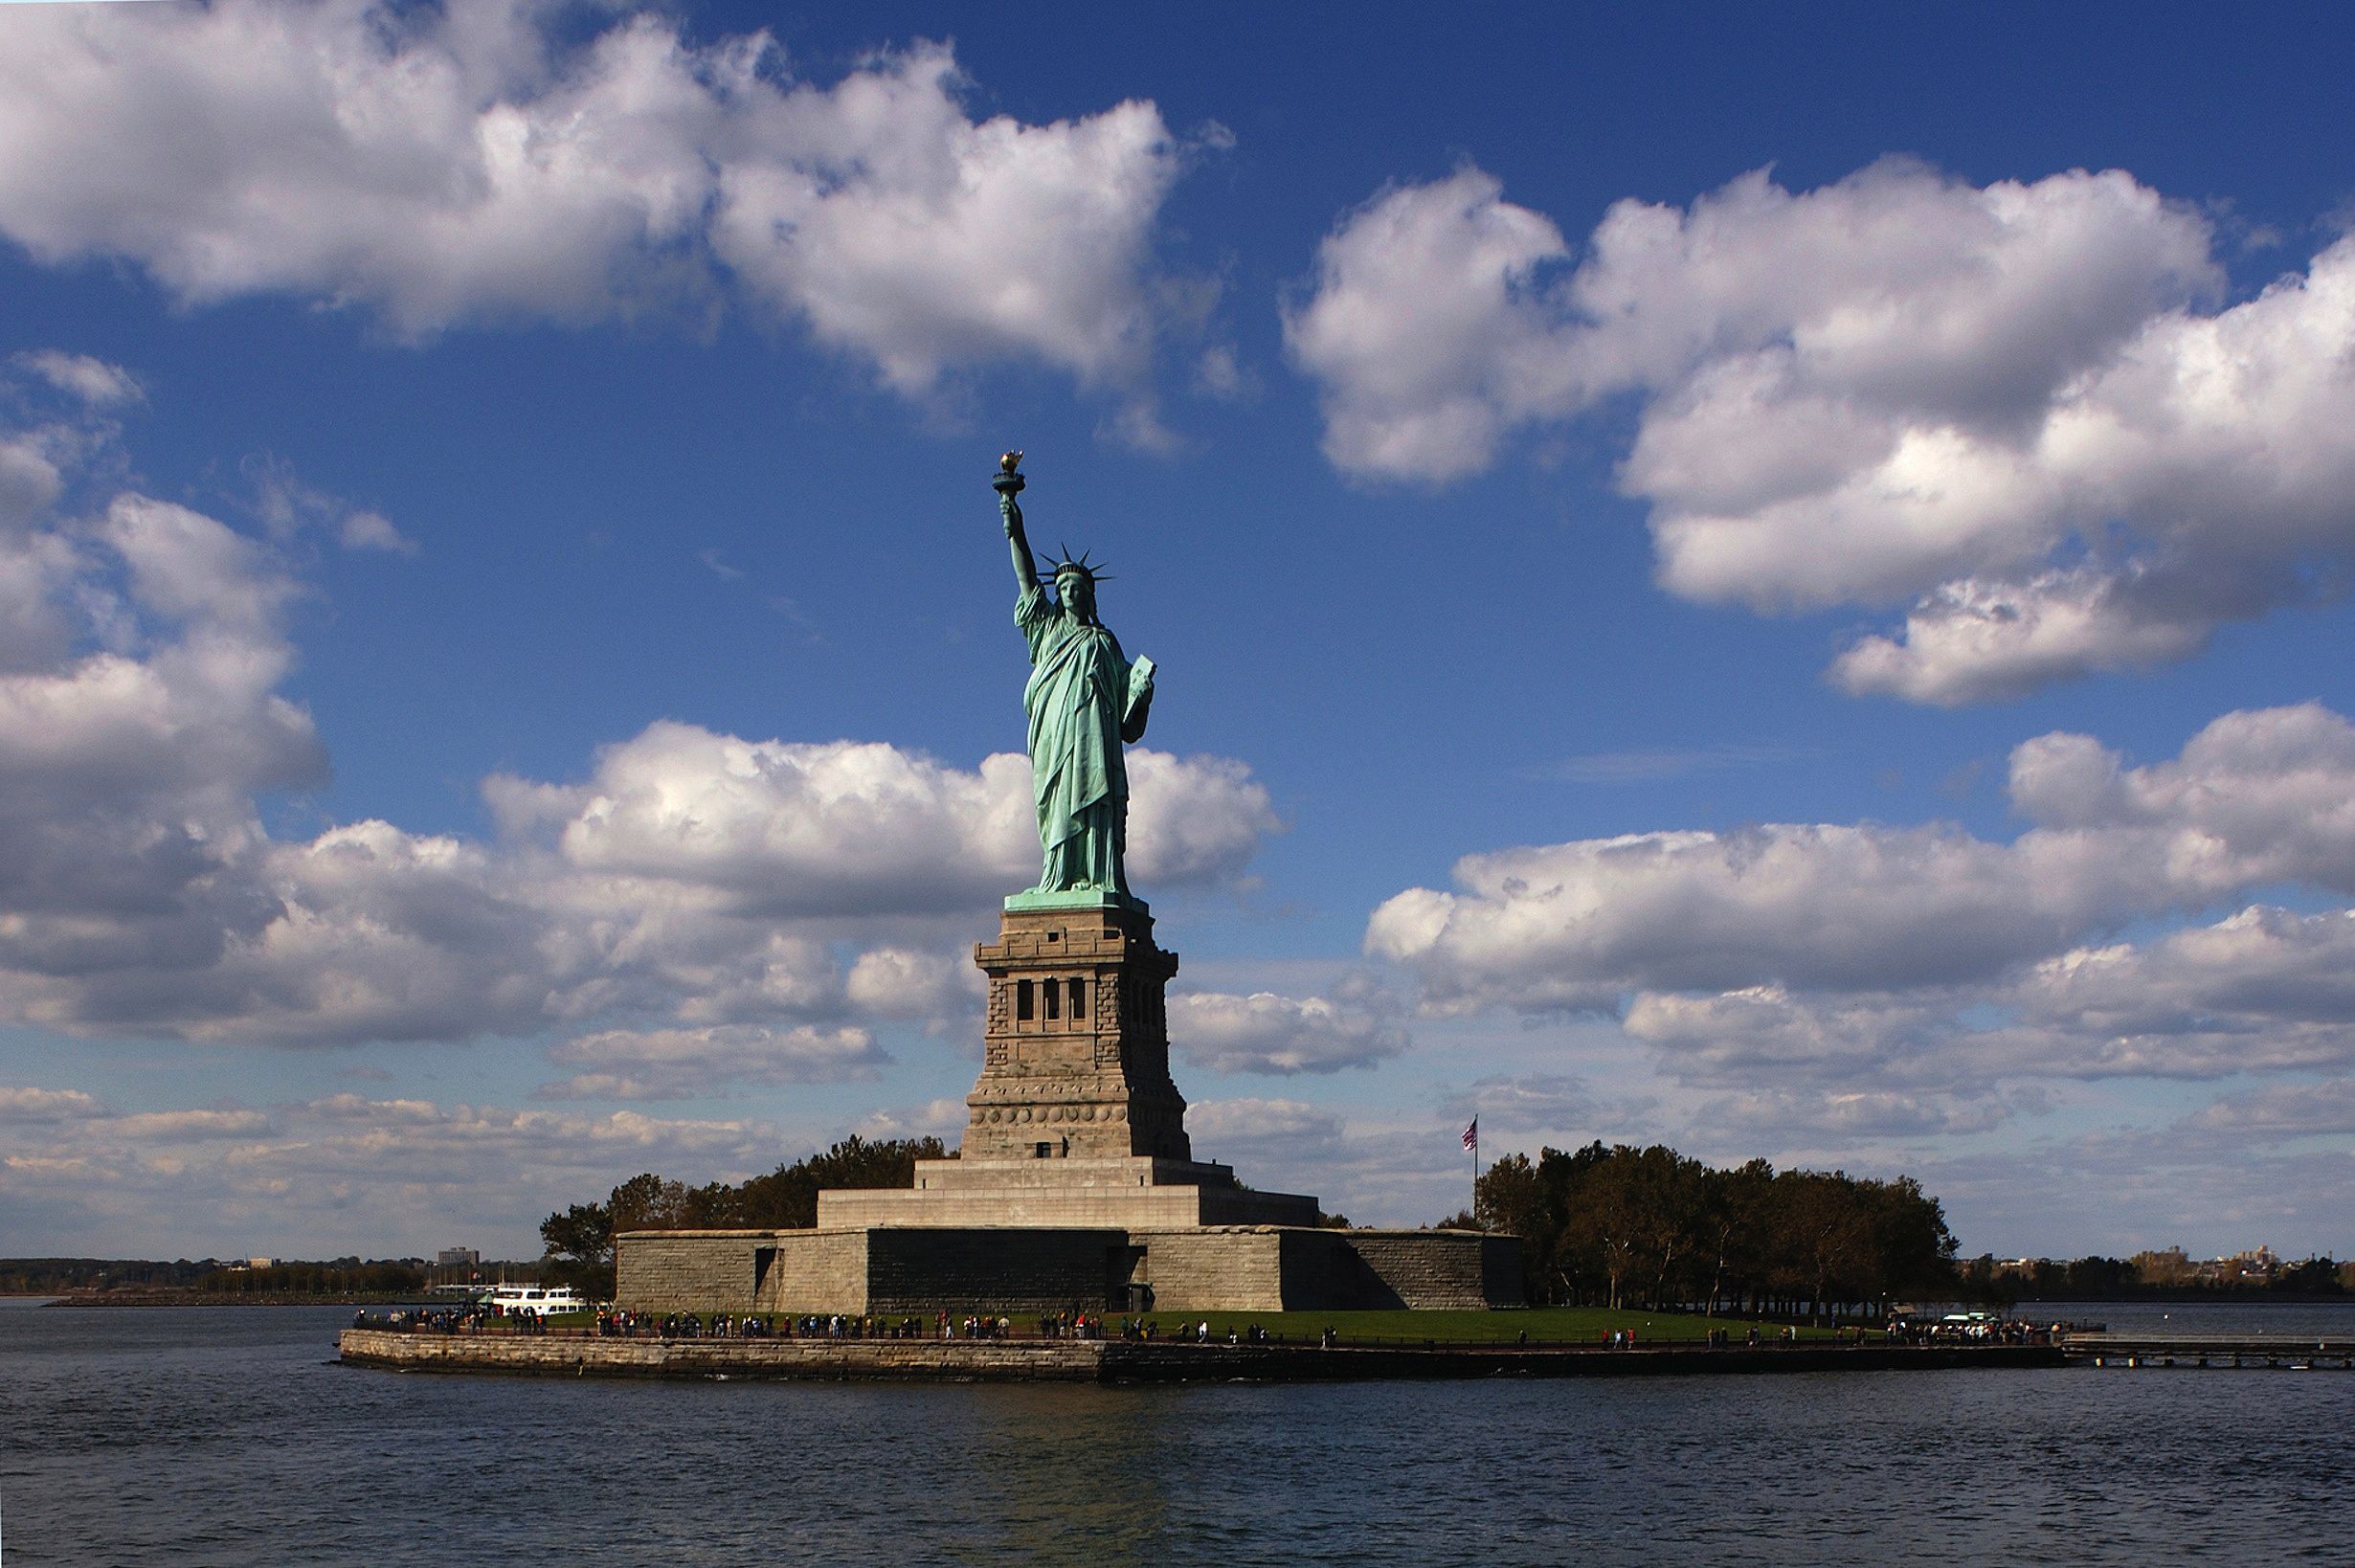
(1076, 1185)
(1075, 1190)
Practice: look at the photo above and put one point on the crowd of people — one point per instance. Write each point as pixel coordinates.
(1972, 1329)
(614, 1323)
(473, 1317)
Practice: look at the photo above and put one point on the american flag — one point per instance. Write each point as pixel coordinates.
(1471, 1134)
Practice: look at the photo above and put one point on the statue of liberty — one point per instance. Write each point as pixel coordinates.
(1083, 699)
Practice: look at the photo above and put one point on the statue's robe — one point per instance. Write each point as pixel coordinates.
(1083, 699)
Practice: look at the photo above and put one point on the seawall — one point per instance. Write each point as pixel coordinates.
(1114, 1360)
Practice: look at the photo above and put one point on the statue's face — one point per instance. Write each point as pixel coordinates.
(1079, 595)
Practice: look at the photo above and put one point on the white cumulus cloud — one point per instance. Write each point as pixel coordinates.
(1858, 1113)
(686, 1064)
(342, 1173)
(1231, 1127)
(21, 1104)
(2282, 1110)
(2030, 409)
(92, 380)
(2255, 799)
(1921, 969)
(1265, 1033)
(438, 165)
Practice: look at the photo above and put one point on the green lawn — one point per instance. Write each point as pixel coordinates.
(1544, 1325)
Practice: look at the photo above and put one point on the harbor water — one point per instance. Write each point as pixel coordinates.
(228, 1435)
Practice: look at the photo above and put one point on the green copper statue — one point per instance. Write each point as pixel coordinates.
(1085, 699)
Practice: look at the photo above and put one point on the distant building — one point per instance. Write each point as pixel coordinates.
(2164, 1266)
(457, 1257)
(260, 1263)
(2258, 1265)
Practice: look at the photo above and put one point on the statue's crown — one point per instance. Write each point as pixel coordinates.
(1093, 572)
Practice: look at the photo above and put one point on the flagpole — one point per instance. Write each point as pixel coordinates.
(1471, 1141)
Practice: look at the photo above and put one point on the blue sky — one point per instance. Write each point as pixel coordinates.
(1766, 581)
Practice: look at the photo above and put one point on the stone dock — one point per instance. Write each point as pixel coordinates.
(1116, 1361)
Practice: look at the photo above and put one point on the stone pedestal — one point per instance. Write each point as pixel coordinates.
(1076, 1062)
(1133, 1193)
(1075, 1184)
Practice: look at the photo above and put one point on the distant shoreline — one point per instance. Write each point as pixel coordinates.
(194, 1298)
(2201, 1298)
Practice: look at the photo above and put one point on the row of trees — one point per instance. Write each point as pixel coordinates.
(2129, 1278)
(338, 1277)
(316, 1279)
(1649, 1228)
(580, 1239)
(55, 1276)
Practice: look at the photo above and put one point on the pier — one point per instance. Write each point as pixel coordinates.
(2318, 1353)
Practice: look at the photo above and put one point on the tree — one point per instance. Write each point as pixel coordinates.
(582, 1233)
(578, 1245)
(1627, 1226)
(786, 1199)
(2095, 1278)
(2316, 1276)
(1826, 1242)
(1670, 1190)
(646, 1201)
(1731, 1225)
(1609, 1221)
(1522, 1199)
(1507, 1196)
(579, 1239)
(1510, 1197)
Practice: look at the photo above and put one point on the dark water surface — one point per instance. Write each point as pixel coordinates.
(203, 1436)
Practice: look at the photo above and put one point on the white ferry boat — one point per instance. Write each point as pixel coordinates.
(534, 1300)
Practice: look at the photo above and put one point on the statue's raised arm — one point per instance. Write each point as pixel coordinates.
(1025, 569)
(1009, 484)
